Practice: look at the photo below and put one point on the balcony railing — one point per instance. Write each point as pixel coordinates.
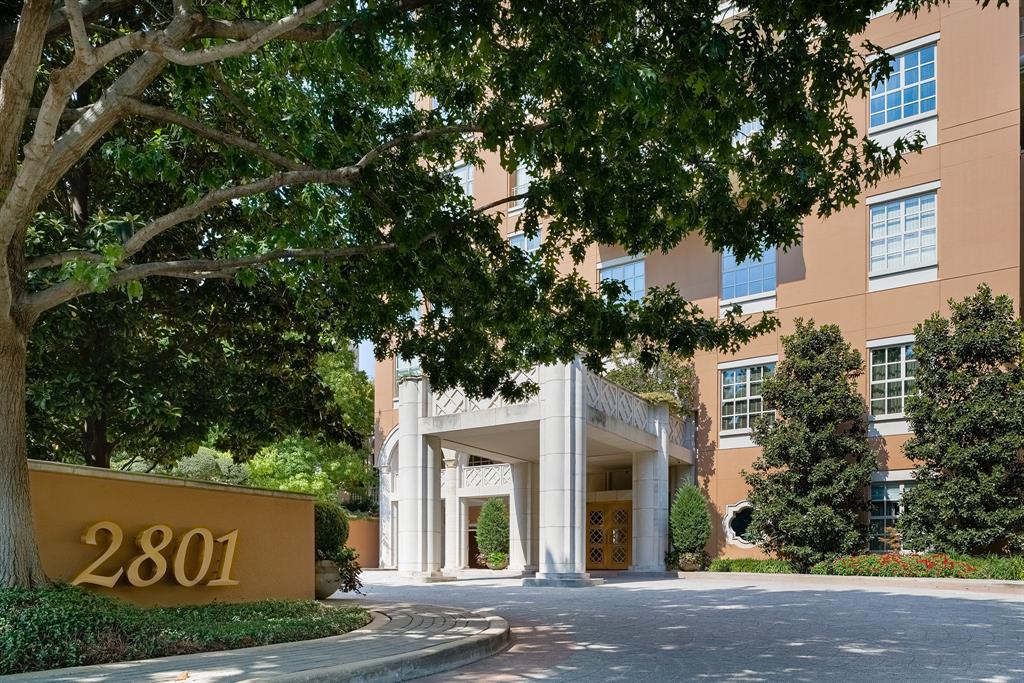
(455, 401)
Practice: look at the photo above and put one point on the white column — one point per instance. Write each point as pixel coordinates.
(520, 517)
(419, 483)
(562, 478)
(452, 511)
(650, 500)
(387, 554)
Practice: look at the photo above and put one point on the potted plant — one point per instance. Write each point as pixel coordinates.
(330, 529)
(492, 534)
(690, 524)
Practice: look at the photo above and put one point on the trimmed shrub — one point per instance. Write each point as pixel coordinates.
(924, 566)
(492, 528)
(751, 565)
(690, 523)
(330, 528)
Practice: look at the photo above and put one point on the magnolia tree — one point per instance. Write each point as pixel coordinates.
(314, 115)
(808, 486)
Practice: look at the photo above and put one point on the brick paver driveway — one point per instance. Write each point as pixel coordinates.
(721, 630)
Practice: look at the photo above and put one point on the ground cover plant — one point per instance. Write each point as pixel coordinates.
(60, 626)
(931, 565)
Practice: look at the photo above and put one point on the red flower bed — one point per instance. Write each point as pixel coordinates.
(926, 566)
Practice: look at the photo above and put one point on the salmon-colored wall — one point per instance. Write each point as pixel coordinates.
(273, 556)
(977, 162)
(364, 538)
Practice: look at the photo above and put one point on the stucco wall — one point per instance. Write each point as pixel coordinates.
(273, 556)
(364, 538)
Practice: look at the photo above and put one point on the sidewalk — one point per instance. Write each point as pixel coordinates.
(403, 641)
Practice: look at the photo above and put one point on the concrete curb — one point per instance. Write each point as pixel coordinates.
(994, 586)
(416, 664)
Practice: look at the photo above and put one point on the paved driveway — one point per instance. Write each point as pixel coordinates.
(721, 630)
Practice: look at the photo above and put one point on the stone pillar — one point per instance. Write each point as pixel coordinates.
(562, 478)
(520, 518)
(452, 514)
(650, 500)
(387, 496)
(419, 483)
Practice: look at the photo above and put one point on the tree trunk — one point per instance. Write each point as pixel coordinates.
(20, 564)
(97, 447)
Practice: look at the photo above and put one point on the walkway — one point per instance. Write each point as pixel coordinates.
(404, 641)
(733, 628)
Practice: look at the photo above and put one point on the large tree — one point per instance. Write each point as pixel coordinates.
(626, 112)
(809, 486)
(967, 414)
(235, 367)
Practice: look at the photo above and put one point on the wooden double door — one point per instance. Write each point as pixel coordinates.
(609, 535)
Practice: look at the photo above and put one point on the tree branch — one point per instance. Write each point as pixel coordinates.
(156, 113)
(194, 269)
(79, 34)
(239, 48)
(504, 200)
(60, 258)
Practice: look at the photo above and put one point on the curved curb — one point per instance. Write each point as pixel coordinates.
(416, 664)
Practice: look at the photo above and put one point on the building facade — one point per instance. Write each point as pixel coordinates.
(578, 465)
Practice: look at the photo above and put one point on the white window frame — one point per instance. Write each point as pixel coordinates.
(900, 480)
(904, 344)
(463, 172)
(621, 263)
(521, 181)
(766, 297)
(900, 199)
(899, 53)
(521, 241)
(746, 366)
(730, 513)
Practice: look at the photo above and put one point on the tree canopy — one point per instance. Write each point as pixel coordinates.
(967, 414)
(808, 487)
(626, 113)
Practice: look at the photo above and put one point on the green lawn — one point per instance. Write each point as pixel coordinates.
(63, 626)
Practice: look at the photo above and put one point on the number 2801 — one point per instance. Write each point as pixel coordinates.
(152, 554)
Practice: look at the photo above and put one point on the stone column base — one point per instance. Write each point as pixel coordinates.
(425, 577)
(562, 580)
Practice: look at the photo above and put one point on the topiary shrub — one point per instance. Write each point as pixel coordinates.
(492, 530)
(690, 524)
(330, 529)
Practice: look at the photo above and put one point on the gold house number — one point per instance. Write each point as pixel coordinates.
(151, 565)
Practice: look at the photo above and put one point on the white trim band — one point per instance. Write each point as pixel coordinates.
(746, 362)
(890, 341)
(892, 475)
(620, 260)
(903, 192)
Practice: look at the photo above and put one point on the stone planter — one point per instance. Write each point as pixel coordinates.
(328, 579)
(503, 565)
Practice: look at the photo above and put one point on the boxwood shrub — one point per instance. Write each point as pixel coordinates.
(751, 565)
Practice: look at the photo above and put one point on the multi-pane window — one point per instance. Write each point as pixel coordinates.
(903, 234)
(741, 396)
(747, 277)
(886, 506)
(631, 273)
(892, 378)
(527, 244)
(464, 174)
(908, 91)
(521, 180)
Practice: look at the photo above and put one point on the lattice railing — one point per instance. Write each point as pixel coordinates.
(455, 401)
(487, 475)
(680, 431)
(444, 478)
(614, 401)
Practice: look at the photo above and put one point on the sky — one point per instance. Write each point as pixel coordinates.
(366, 359)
